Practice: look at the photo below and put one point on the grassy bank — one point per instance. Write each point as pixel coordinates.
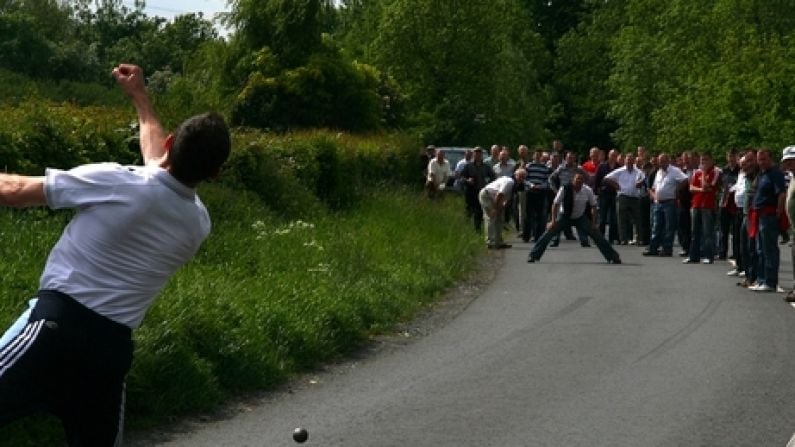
(265, 298)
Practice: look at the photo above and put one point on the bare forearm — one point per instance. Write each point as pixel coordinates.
(152, 135)
(20, 191)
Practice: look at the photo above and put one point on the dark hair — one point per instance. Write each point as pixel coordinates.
(201, 145)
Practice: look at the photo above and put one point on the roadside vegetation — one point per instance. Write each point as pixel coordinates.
(316, 245)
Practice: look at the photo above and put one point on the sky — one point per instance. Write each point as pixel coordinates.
(171, 8)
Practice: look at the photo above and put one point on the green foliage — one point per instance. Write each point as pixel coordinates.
(326, 92)
(461, 87)
(38, 134)
(707, 76)
(290, 28)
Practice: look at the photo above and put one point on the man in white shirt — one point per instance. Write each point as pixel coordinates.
(663, 196)
(133, 227)
(494, 197)
(628, 182)
(569, 209)
(438, 173)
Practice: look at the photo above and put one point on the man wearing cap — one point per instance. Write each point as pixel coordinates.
(494, 197)
(788, 164)
(766, 207)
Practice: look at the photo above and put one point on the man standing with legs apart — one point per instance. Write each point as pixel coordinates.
(569, 209)
(134, 226)
(766, 209)
(663, 196)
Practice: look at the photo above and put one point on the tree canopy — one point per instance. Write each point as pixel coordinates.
(668, 74)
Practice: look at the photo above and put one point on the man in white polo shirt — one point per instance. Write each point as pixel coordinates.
(133, 227)
(663, 196)
(494, 197)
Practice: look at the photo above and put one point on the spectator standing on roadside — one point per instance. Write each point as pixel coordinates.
(476, 175)
(494, 156)
(704, 185)
(728, 208)
(667, 181)
(627, 181)
(438, 173)
(683, 197)
(459, 169)
(737, 192)
(504, 167)
(520, 190)
(594, 159)
(607, 197)
(748, 233)
(788, 164)
(766, 209)
(538, 190)
(133, 227)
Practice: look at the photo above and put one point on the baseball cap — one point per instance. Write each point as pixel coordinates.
(788, 153)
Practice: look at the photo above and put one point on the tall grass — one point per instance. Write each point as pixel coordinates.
(266, 297)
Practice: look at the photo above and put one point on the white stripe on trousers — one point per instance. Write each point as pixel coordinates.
(17, 348)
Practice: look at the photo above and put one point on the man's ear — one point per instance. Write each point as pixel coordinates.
(169, 142)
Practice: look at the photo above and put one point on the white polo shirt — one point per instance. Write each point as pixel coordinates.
(134, 227)
(502, 185)
(627, 180)
(666, 180)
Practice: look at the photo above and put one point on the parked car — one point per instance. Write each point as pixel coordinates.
(453, 154)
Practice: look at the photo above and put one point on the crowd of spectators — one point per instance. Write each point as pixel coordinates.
(736, 208)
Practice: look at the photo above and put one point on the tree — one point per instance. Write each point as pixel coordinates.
(469, 70)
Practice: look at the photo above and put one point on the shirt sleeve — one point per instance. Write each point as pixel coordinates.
(84, 185)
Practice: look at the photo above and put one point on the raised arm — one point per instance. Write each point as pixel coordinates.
(153, 138)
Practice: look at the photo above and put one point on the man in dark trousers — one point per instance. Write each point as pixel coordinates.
(133, 227)
(476, 175)
(569, 209)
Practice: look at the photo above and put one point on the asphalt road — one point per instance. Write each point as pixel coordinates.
(570, 351)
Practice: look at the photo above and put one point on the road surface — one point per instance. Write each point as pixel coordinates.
(570, 351)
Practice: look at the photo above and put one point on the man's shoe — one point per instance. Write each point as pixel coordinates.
(706, 261)
(666, 254)
(762, 288)
(682, 253)
(741, 274)
(532, 259)
(790, 296)
(733, 273)
(650, 253)
(504, 246)
(586, 245)
(689, 261)
(614, 261)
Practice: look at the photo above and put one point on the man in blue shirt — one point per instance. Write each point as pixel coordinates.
(767, 207)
